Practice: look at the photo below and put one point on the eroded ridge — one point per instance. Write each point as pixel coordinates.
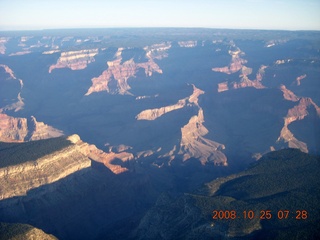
(121, 72)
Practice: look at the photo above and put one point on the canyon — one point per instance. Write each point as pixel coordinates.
(105, 134)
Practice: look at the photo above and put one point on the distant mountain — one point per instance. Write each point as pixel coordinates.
(277, 198)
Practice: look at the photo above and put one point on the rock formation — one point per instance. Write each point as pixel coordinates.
(75, 60)
(152, 114)
(188, 44)
(122, 72)
(288, 95)
(193, 143)
(296, 113)
(235, 65)
(92, 152)
(157, 51)
(21, 129)
(298, 79)
(17, 180)
(3, 41)
(246, 82)
(19, 104)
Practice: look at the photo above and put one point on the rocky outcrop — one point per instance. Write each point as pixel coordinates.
(3, 41)
(272, 43)
(75, 60)
(298, 79)
(92, 152)
(18, 231)
(296, 113)
(158, 51)
(22, 129)
(122, 72)
(288, 95)
(236, 63)
(19, 104)
(246, 82)
(193, 143)
(17, 180)
(188, 44)
(8, 71)
(223, 86)
(152, 114)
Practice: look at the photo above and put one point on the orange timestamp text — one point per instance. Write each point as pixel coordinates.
(262, 214)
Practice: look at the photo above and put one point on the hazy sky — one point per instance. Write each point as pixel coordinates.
(249, 14)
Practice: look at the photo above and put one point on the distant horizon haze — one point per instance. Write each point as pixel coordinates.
(228, 14)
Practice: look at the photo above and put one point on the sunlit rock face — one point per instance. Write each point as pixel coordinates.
(75, 60)
(121, 72)
(22, 129)
(298, 112)
(17, 180)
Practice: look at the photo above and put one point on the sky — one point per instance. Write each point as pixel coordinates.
(232, 14)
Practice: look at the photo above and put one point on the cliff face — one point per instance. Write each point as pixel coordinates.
(22, 129)
(75, 60)
(246, 82)
(17, 180)
(235, 64)
(238, 64)
(17, 103)
(297, 113)
(152, 114)
(122, 72)
(92, 152)
(193, 143)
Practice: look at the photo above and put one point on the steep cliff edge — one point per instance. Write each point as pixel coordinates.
(16, 104)
(152, 114)
(22, 129)
(193, 143)
(298, 112)
(92, 152)
(49, 161)
(18, 179)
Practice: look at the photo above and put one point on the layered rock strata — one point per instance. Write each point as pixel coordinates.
(193, 143)
(92, 152)
(122, 72)
(75, 60)
(298, 112)
(22, 129)
(152, 114)
(19, 104)
(17, 180)
(235, 65)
